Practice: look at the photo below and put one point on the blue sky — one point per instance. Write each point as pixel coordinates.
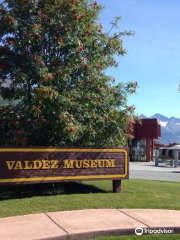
(153, 57)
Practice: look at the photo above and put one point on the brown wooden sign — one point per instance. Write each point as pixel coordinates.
(50, 164)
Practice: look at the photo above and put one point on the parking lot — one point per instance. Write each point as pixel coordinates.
(148, 170)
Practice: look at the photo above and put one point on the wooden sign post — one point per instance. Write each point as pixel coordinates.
(50, 164)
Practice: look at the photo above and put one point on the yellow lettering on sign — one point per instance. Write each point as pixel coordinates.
(93, 164)
(10, 164)
(68, 164)
(27, 166)
(86, 164)
(37, 164)
(54, 164)
(101, 163)
(110, 163)
(32, 164)
(78, 164)
(18, 165)
(46, 164)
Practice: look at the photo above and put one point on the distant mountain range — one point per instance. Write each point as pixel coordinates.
(170, 128)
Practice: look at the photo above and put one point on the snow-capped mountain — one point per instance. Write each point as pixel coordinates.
(170, 128)
(160, 117)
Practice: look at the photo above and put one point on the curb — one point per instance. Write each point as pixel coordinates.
(90, 223)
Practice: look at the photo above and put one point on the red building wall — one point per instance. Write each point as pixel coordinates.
(148, 129)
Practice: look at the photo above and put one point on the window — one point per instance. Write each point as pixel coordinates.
(137, 150)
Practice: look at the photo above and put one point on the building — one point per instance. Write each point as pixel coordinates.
(141, 144)
(158, 145)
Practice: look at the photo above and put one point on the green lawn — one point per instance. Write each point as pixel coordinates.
(143, 237)
(19, 200)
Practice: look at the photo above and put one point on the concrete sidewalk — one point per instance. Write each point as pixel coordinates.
(81, 224)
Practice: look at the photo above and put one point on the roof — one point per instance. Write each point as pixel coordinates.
(175, 147)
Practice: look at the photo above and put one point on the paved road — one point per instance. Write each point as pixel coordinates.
(146, 170)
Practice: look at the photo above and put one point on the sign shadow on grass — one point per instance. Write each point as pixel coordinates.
(49, 189)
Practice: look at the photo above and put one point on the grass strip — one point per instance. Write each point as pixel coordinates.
(28, 199)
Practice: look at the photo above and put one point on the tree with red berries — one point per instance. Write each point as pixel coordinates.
(53, 59)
